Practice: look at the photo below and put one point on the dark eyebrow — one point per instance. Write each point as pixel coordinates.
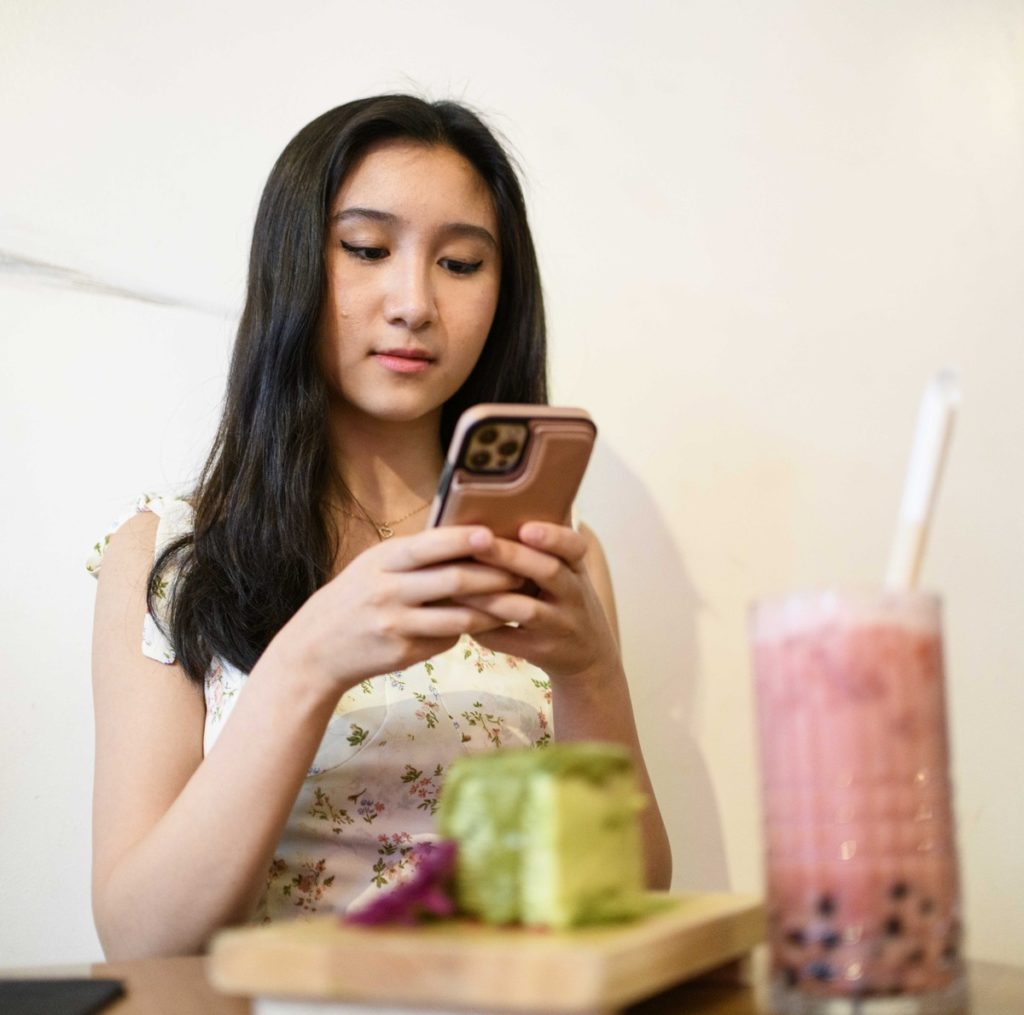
(448, 229)
(468, 229)
(364, 213)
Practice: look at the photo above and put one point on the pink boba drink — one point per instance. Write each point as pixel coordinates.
(860, 851)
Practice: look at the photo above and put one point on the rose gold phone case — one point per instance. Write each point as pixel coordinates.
(541, 488)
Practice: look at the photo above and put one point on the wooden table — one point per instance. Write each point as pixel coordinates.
(179, 987)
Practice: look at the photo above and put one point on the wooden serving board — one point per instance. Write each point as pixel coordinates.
(460, 964)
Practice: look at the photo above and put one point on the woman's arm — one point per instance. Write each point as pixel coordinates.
(182, 843)
(571, 632)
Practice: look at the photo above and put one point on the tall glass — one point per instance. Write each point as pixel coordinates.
(860, 846)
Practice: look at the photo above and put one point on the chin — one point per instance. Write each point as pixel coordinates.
(404, 405)
(396, 410)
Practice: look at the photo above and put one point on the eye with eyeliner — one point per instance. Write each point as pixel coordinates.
(364, 253)
(460, 267)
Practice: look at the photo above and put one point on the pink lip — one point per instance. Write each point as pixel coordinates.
(403, 361)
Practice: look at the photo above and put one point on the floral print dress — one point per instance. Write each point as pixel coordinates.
(372, 790)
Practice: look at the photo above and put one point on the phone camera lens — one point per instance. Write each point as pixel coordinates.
(508, 448)
(488, 435)
(480, 459)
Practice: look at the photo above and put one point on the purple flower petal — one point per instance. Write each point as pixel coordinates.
(424, 895)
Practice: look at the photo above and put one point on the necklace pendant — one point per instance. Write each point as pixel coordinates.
(385, 531)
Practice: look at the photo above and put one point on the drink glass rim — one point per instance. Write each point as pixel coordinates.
(780, 615)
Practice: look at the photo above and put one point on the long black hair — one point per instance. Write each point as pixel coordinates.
(262, 542)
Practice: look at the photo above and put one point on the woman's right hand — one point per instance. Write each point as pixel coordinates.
(390, 607)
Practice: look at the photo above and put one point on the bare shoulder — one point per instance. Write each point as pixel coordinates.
(129, 550)
(121, 605)
(596, 563)
(121, 613)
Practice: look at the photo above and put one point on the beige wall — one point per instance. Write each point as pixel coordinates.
(761, 227)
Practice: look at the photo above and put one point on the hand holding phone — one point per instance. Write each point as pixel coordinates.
(513, 464)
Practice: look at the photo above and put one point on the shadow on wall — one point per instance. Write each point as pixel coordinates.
(658, 607)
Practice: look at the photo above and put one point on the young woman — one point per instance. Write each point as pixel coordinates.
(312, 658)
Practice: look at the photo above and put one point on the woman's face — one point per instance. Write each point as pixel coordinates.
(413, 270)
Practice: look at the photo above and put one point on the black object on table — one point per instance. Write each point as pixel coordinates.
(57, 997)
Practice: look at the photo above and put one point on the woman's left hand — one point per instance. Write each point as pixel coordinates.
(563, 629)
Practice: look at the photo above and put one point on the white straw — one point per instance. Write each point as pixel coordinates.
(927, 457)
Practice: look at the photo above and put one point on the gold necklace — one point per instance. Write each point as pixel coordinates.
(385, 530)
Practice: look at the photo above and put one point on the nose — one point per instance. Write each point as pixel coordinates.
(411, 301)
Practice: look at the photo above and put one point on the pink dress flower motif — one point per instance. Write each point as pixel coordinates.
(394, 856)
(543, 724)
(491, 724)
(308, 886)
(482, 658)
(424, 789)
(366, 807)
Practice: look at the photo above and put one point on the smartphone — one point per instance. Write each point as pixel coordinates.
(509, 464)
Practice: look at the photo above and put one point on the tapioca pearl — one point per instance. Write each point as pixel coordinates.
(903, 892)
(906, 952)
(788, 953)
(795, 936)
(936, 876)
(893, 926)
(821, 971)
(830, 940)
(899, 890)
(826, 904)
(790, 976)
(926, 907)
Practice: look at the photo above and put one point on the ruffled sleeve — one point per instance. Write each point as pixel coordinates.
(175, 517)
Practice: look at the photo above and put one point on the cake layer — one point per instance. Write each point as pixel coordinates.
(547, 837)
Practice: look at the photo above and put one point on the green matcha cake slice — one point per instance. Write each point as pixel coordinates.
(547, 837)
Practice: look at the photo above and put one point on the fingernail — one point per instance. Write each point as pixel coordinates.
(480, 539)
(533, 533)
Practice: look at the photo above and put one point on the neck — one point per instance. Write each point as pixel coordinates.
(390, 468)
